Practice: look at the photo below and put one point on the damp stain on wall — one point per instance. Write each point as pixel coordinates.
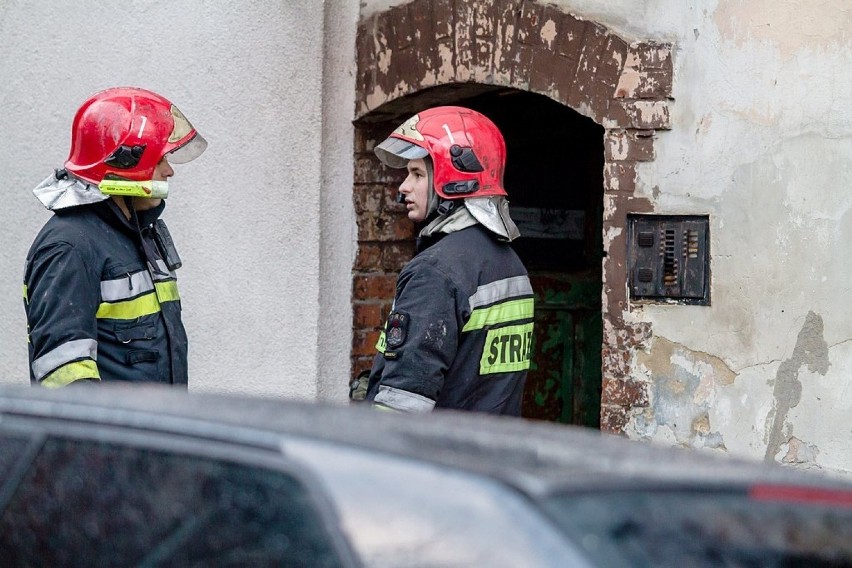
(683, 391)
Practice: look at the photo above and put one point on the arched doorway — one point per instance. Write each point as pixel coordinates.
(554, 177)
(572, 72)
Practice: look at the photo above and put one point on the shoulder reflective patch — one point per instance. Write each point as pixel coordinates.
(505, 289)
(507, 349)
(505, 312)
(396, 329)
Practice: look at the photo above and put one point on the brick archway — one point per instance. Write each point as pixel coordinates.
(625, 87)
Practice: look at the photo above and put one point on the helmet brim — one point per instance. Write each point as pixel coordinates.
(188, 151)
(396, 152)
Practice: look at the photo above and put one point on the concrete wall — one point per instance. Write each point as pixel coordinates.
(761, 141)
(262, 220)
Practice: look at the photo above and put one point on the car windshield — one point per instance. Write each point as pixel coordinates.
(709, 528)
(401, 512)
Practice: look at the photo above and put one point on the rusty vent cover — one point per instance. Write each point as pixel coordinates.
(669, 258)
(646, 275)
(646, 239)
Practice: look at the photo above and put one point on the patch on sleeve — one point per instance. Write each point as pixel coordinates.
(397, 329)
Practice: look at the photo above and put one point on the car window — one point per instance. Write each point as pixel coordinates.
(706, 528)
(12, 447)
(403, 512)
(101, 504)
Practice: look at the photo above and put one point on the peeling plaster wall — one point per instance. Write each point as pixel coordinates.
(263, 220)
(761, 141)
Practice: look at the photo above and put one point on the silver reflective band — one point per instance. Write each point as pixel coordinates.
(126, 287)
(65, 353)
(501, 290)
(404, 400)
(161, 266)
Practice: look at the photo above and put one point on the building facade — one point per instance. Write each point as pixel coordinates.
(680, 172)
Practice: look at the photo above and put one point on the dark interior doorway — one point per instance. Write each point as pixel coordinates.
(554, 177)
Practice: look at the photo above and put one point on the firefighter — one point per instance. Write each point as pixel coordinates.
(100, 291)
(459, 335)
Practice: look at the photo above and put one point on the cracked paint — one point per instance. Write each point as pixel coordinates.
(811, 350)
(683, 388)
(548, 33)
(797, 452)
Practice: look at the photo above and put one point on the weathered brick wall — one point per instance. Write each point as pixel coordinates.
(625, 87)
(385, 244)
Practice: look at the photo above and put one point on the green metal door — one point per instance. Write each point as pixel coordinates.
(564, 381)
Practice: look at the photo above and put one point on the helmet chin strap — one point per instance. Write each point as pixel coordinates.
(445, 207)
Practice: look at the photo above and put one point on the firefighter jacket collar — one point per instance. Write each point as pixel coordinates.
(60, 191)
(490, 212)
(456, 220)
(110, 213)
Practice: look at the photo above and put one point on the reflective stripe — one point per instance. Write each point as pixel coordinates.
(403, 400)
(384, 408)
(161, 266)
(501, 290)
(141, 306)
(126, 287)
(381, 344)
(131, 309)
(506, 312)
(26, 294)
(58, 356)
(71, 372)
(167, 291)
(507, 349)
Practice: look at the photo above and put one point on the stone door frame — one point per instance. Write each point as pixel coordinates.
(624, 86)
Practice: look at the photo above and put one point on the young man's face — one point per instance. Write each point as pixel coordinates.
(162, 172)
(415, 188)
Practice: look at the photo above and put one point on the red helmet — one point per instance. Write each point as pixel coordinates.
(125, 132)
(467, 151)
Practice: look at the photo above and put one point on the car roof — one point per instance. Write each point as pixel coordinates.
(534, 457)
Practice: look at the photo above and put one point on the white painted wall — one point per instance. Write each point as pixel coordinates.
(762, 142)
(262, 220)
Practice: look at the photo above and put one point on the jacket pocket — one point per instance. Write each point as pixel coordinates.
(141, 356)
(134, 331)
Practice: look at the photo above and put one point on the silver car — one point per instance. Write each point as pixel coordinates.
(143, 476)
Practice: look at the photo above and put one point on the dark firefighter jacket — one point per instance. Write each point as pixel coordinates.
(460, 330)
(100, 301)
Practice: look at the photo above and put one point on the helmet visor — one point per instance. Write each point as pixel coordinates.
(189, 151)
(396, 152)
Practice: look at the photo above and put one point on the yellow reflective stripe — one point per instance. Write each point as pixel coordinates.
(381, 344)
(26, 294)
(504, 312)
(130, 309)
(167, 291)
(507, 349)
(67, 374)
